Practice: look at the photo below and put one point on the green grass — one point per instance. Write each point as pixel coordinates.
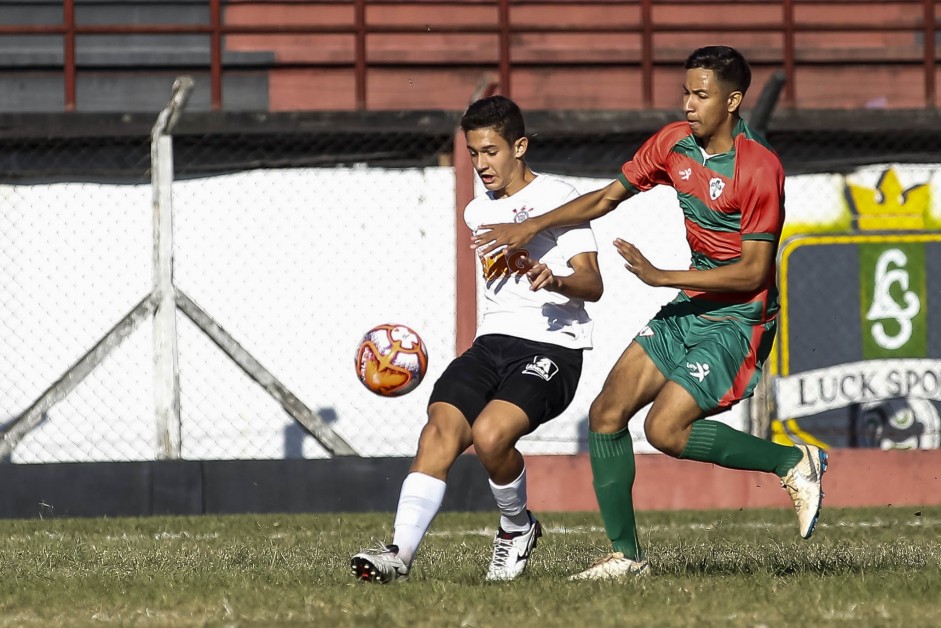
(864, 567)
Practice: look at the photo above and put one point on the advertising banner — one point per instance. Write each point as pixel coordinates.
(859, 349)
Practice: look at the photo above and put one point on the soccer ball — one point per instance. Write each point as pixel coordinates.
(391, 360)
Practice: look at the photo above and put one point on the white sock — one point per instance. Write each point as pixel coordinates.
(419, 502)
(511, 500)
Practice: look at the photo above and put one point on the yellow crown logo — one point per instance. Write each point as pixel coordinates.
(888, 206)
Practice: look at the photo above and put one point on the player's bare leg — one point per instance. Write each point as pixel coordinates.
(445, 436)
(496, 432)
(670, 419)
(633, 382)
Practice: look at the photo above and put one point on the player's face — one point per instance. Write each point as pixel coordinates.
(708, 105)
(498, 163)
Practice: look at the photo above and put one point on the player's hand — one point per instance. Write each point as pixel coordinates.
(511, 236)
(539, 275)
(637, 263)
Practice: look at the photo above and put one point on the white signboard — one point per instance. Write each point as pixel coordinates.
(815, 391)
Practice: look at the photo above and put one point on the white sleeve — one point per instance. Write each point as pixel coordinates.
(574, 240)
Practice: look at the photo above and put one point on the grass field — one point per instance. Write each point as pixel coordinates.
(878, 567)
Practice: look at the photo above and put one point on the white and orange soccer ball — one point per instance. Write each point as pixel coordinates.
(391, 360)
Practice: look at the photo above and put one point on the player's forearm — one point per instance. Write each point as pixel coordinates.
(731, 278)
(580, 210)
(586, 286)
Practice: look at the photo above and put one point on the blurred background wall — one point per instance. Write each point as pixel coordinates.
(319, 186)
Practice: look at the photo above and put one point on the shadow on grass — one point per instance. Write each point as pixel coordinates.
(784, 559)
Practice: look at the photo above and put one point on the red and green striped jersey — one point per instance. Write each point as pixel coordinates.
(725, 198)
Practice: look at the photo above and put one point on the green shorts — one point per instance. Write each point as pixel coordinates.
(717, 360)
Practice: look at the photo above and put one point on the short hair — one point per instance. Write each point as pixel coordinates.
(728, 64)
(497, 112)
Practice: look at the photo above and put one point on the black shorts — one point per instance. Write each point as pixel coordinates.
(538, 377)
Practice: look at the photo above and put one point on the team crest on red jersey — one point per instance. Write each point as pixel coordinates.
(716, 185)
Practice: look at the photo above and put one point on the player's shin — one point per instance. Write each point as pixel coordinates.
(715, 442)
(511, 500)
(419, 502)
(613, 471)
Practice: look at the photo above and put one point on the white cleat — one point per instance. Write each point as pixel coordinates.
(804, 485)
(511, 552)
(381, 565)
(613, 567)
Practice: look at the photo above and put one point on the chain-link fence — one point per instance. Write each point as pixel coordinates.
(296, 238)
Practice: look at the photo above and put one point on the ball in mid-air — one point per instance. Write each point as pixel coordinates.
(391, 360)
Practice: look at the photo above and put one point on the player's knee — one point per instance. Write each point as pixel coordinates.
(438, 447)
(490, 443)
(663, 437)
(605, 417)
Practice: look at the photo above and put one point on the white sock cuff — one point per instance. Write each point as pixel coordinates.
(511, 498)
(419, 484)
(520, 480)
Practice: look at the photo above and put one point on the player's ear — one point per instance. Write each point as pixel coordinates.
(735, 101)
(521, 145)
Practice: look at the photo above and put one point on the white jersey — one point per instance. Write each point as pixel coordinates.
(511, 307)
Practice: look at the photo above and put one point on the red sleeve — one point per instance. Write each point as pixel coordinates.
(762, 203)
(648, 168)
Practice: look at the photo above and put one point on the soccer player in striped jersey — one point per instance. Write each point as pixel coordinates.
(705, 350)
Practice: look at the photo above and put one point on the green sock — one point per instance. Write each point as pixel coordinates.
(613, 470)
(711, 441)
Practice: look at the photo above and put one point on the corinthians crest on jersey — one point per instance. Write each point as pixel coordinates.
(510, 307)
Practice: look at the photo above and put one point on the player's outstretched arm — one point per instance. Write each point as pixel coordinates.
(585, 208)
(584, 283)
(747, 274)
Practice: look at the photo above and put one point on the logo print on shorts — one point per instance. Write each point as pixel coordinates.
(541, 367)
(716, 185)
(645, 332)
(697, 370)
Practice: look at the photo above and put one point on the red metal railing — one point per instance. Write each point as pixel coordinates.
(647, 28)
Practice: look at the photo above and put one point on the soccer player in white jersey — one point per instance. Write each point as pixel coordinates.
(525, 362)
